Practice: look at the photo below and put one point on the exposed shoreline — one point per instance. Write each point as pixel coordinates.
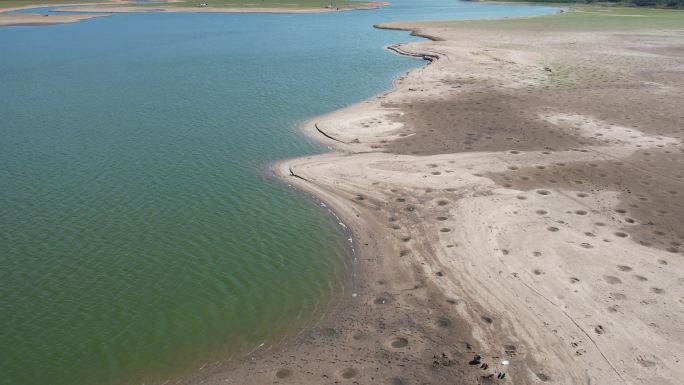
(456, 257)
(96, 10)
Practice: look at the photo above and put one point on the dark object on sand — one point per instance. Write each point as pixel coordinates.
(501, 376)
(475, 361)
(484, 366)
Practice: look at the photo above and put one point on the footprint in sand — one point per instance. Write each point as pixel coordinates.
(399, 342)
(396, 381)
(612, 279)
(349, 373)
(443, 323)
(283, 373)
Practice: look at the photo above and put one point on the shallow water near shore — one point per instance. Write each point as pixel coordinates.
(140, 235)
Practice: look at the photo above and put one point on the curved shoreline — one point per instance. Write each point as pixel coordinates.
(96, 10)
(483, 300)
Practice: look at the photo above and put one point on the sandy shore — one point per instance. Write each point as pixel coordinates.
(175, 9)
(520, 199)
(124, 6)
(8, 20)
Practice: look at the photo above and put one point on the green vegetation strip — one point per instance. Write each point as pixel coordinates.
(630, 3)
(584, 18)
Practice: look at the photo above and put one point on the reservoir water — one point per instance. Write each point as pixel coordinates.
(140, 235)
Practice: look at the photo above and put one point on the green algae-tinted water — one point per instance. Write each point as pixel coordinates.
(139, 235)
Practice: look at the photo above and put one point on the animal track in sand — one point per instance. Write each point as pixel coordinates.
(612, 279)
(657, 290)
(543, 192)
(443, 323)
(283, 373)
(488, 319)
(552, 229)
(620, 234)
(574, 280)
(441, 218)
(640, 278)
(580, 212)
(618, 296)
(399, 342)
(599, 329)
(645, 363)
(538, 271)
(401, 199)
(442, 202)
(349, 373)
(396, 381)
(624, 268)
(541, 212)
(445, 230)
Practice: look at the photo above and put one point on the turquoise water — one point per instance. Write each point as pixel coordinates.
(140, 234)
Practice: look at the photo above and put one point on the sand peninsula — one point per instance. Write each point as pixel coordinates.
(106, 8)
(518, 199)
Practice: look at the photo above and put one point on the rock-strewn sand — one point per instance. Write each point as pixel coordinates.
(520, 198)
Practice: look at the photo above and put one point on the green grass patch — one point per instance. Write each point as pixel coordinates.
(583, 18)
(677, 4)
